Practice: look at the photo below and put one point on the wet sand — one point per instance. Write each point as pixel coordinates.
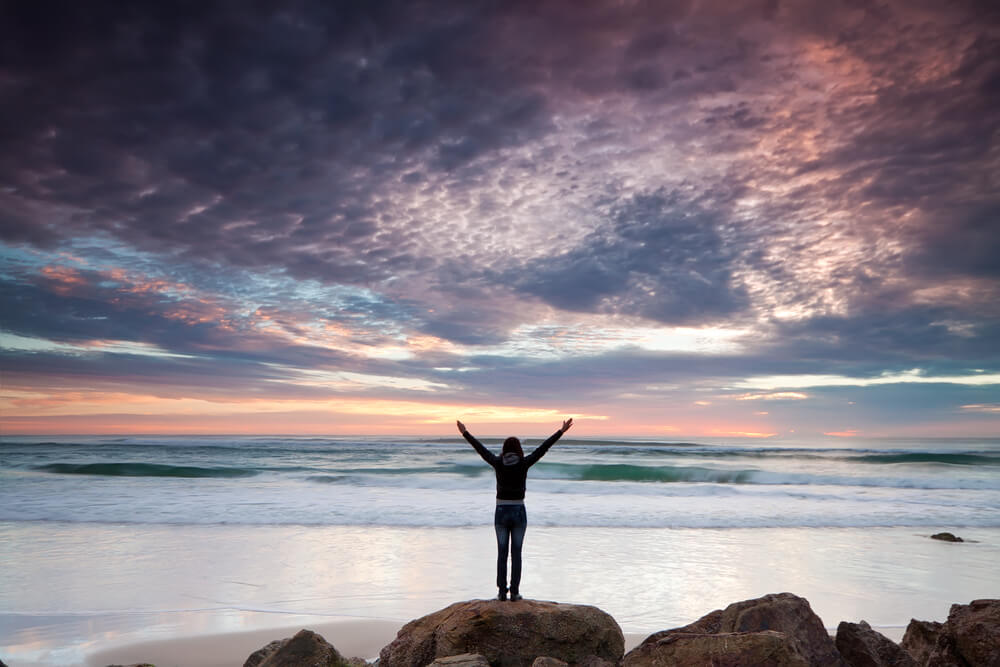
(80, 594)
(363, 639)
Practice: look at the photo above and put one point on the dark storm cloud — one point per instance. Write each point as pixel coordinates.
(894, 338)
(480, 165)
(926, 146)
(257, 138)
(661, 257)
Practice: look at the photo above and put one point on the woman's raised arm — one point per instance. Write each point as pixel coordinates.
(487, 455)
(533, 457)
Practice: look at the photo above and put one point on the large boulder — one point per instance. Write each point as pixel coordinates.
(785, 613)
(976, 631)
(920, 639)
(970, 636)
(507, 634)
(305, 649)
(727, 649)
(860, 646)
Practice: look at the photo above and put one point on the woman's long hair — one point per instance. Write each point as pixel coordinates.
(512, 444)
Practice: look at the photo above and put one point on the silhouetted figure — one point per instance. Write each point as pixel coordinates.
(511, 519)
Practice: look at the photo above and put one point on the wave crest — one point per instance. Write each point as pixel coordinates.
(142, 470)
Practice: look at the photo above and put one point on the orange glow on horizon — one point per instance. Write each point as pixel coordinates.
(742, 434)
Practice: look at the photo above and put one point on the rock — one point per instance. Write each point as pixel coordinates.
(463, 660)
(305, 649)
(546, 661)
(709, 624)
(920, 639)
(594, 661)
(946, 537)
(970, 636)
(507, 634)
(782, 612)
(860, 646)
(726, 649)
(258, 656)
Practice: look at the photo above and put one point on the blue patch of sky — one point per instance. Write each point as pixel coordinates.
(271, 288)
(15, 260)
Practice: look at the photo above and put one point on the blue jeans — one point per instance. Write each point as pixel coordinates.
(510, 522)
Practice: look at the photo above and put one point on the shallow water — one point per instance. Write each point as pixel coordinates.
(70, 589)
(114, 541)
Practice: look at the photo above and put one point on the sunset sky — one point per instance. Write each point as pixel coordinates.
(666, 219)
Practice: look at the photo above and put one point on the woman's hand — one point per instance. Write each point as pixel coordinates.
(566, 424)
(462, 429)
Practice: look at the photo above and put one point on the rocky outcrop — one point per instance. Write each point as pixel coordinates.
(946, 537)
(305, 649)
(860, 646)
(780, 613)
(975, 629)
(970, 636)
(507, 634)
(726, 649)
(920, 639)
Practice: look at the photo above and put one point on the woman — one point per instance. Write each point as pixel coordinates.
(510, 519)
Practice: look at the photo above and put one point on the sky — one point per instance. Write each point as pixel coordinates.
(764, 219)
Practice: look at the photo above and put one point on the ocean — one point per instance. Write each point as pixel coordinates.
(159, 536)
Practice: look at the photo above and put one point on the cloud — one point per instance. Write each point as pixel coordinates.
(315, 185)
(914, 376)
(988, 408)
(660, 257)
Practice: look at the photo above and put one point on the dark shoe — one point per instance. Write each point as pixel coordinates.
(502, 595)
(514, 597)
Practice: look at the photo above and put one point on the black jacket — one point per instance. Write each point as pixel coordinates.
(511, 476)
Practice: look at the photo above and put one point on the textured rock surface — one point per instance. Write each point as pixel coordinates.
(305, 649)
(920, 639)
(508, 634)
(727, 649)
(546, 661)
(970, 636)
(782, 612)
(976, 629)
(462, 660)
(860, 646)
(258, 656)
(594, 661)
